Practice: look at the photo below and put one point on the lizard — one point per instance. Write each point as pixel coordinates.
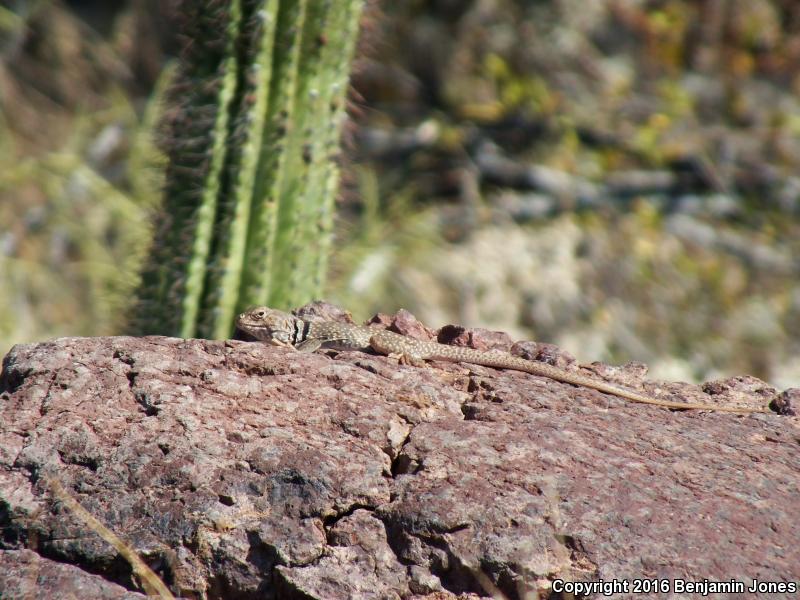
(279, 328)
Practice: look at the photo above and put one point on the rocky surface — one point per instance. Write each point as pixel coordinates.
(239, 470)
(26, 574)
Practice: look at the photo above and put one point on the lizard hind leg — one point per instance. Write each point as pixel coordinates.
(383, 344)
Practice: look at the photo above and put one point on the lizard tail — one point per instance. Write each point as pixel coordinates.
(502, 360)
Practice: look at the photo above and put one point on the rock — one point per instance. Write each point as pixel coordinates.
(25, 574)
(240, 470)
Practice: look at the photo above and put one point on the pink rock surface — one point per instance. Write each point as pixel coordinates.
(239, 470)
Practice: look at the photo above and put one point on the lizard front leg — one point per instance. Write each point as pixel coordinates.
(309, 345)
(281, 343)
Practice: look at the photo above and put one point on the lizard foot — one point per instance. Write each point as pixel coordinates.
(283, 344)
(407, 359)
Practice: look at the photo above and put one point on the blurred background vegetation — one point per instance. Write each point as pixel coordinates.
(619, 177)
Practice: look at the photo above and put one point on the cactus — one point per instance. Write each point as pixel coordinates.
(252, 137)
(258, 277)
(245, 142)
(309, 185)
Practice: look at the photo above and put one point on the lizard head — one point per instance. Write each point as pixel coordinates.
(268, 325)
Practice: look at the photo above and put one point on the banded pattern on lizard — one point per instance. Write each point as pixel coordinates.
(283, 329)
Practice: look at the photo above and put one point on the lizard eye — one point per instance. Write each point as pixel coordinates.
(260, 314)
